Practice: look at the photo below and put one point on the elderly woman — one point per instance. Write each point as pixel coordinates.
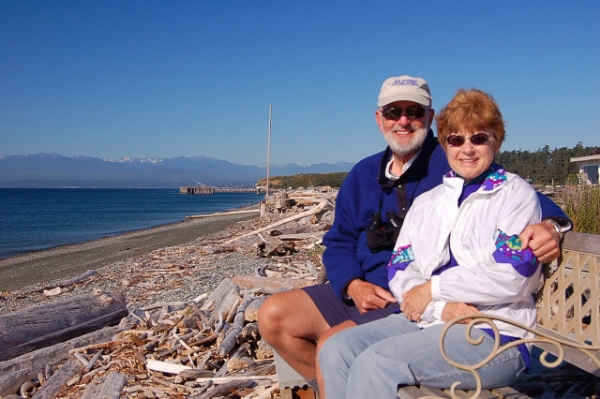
(458, 253)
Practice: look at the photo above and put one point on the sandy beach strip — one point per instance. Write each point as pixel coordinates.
(71, 260)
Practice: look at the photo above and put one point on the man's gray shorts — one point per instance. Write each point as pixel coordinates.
(336, 311)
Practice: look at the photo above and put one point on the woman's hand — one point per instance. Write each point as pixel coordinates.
(455, 309)
(415, 300)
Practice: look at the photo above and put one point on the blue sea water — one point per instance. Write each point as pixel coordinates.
(36, 219)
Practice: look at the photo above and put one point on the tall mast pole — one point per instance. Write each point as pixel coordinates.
(269, 149)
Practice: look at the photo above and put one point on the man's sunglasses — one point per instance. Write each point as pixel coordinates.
(456, 140)
(394, 113)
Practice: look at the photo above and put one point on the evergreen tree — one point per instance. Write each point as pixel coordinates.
(546, 166)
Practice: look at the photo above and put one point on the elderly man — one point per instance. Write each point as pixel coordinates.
(370, 207)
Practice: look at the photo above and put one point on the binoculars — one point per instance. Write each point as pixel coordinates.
(383, 235)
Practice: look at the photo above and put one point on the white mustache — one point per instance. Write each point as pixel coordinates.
(402, 130)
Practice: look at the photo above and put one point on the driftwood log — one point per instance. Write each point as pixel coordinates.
(58, 321)
(110, 388)
(269, 285)
(15, 372)
(69, 370)
(223, 289)
(320, 207)
(251, 312)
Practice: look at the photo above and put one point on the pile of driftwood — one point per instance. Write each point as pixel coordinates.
(91, 346)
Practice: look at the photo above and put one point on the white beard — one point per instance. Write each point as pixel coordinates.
(402, 148)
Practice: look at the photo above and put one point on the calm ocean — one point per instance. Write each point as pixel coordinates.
(36, 219)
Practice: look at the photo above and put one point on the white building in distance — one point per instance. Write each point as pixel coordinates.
(589, 169)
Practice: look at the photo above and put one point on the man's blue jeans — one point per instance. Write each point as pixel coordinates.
(372, 360)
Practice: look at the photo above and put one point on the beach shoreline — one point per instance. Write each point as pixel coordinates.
(33, 268)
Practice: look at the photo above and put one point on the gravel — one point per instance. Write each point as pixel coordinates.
(170, 263)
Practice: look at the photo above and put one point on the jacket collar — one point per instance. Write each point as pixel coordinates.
(489, 181)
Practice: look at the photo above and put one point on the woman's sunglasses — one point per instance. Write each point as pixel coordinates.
(456, 140)
(394, 113)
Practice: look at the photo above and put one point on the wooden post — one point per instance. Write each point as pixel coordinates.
(269, 149)
(263, 209)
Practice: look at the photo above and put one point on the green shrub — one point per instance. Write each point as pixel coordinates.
(306, 180)
(582, 205)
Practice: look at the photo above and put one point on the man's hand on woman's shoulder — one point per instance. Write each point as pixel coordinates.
(543, 239)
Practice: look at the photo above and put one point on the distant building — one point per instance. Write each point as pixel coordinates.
(589, 169)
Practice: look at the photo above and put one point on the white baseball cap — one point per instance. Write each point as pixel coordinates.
(404, 88)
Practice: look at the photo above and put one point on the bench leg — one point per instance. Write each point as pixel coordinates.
(291, 384)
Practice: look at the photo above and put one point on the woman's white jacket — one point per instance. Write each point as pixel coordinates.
(493, 273)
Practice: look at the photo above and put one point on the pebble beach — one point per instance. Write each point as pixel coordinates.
(132, 262)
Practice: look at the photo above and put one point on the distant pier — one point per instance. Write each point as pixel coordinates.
(212, 190)
(196, 190)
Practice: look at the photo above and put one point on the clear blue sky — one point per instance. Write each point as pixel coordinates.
(114, 79)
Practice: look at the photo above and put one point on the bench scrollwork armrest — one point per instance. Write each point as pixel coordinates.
(488, 320)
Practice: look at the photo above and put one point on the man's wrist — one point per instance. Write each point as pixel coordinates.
(560, 230)
(561, 224)
(345, 295)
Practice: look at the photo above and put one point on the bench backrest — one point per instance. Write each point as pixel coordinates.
(569, 303)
